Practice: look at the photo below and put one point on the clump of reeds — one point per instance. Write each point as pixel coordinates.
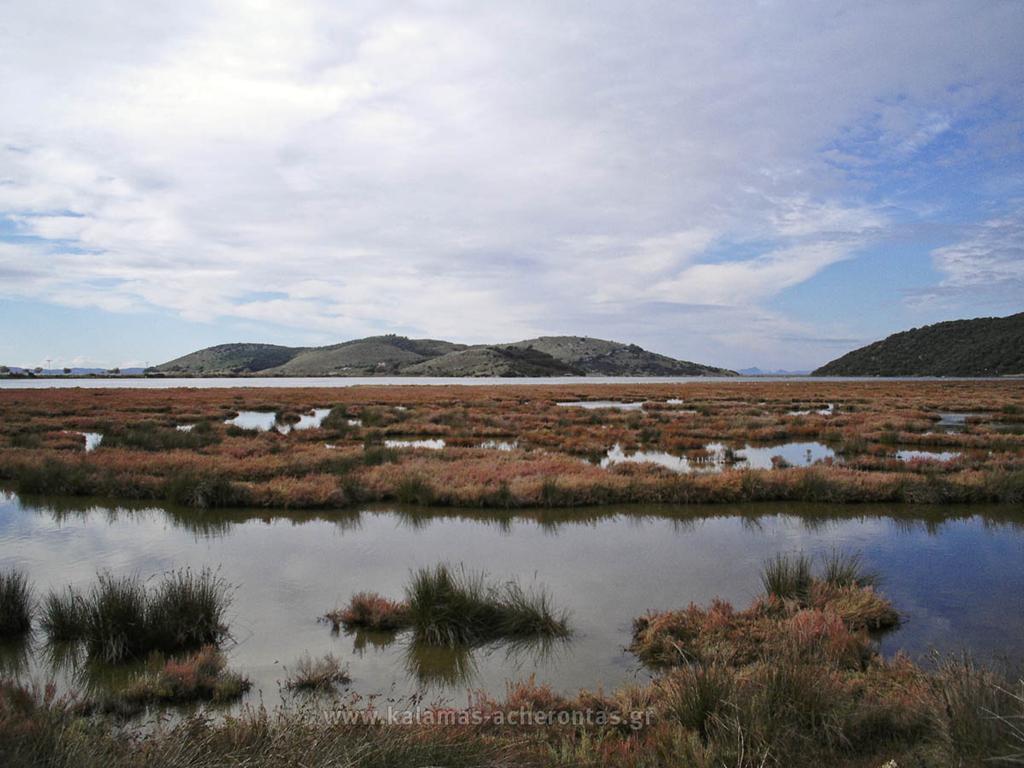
(204, 490)
(414, 489)
(845, 588)
(787, 577)
(847, 570)
(458, 607)
(336, 421)
(694, 696)
(115, 618)
(368, 610)
(201, 676)
(16, 604)
(187, 609)
(120, 618)
(63, 616)
(317, 674)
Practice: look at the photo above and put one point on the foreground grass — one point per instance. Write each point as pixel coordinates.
(787, 714)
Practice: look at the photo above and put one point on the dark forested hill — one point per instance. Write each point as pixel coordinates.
(986, 346)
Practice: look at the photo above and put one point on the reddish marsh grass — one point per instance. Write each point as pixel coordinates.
(201, 676)
(368, 610)
(217, 465)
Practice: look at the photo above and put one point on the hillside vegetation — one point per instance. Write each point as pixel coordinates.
(398, 355)
(986, 346)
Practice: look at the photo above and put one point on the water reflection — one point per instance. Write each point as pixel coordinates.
(433, 444)
(264, 421)
(954, 571)
(717, 457)
(599, 404)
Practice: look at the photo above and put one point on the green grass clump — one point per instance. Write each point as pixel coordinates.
(450, 608)
(55, 477)
(121, 619)
(847, 570)
(64, 616)
(337, 421)
(149, 436)
(115, 619)
(415, 489)
(788, 577)
(187, 610)
(15, 604)
(205, 491)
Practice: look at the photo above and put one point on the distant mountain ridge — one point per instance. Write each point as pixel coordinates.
(984, 346)
(401, 356)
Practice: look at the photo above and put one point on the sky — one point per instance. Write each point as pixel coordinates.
(736, 183)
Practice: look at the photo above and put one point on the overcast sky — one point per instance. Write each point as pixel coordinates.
(737, 183)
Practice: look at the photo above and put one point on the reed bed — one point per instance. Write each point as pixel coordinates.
(122, 618)
(16, 604)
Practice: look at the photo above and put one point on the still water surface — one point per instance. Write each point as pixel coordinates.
(956, 573)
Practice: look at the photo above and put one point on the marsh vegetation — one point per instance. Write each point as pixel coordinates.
(637, 443)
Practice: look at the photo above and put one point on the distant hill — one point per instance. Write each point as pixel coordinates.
(986, 346)
(401, 356)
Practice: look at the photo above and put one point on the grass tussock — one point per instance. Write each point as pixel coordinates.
(16, 604)
(63, 616)
(123, 618)
(368, 610)
(323, 674)
(847, 570)
(798, 614)
(456, 607)
(788, 578)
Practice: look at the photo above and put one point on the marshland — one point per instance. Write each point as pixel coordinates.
(706, 553)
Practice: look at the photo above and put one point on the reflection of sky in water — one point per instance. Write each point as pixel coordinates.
(261, 421)
(958, 580)
(599, 404)
(264, 421)
(434, 444)
(928, 455)
(714, 460)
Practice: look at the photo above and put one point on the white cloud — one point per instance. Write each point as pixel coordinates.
(477, 171)
(990, 257)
